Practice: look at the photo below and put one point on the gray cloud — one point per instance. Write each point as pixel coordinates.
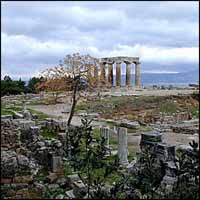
(38, 34)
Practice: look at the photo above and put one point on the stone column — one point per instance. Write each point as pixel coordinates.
(103, 73)
(137, 75)
(128, 74)
(104, 132)
(110, 73)
(122, 146)
(24, 106)
(118, 74)
(96, 74)
(89, 71)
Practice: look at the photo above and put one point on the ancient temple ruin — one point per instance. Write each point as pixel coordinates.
(109, 62)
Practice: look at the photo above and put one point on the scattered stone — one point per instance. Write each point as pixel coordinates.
(70, 194)
(6, 117)
(72, 178)
(130, 124)
(60, 196)
(52, 177)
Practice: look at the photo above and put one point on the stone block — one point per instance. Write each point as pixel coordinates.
(165, 151)
(70, 194)
(73, 178)
(26, 124)
(23, 179)
(130, 124)
(6, 117)
(171, 169)
(57, 164)
(152, 136)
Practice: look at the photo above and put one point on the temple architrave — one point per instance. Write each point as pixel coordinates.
(107, 63)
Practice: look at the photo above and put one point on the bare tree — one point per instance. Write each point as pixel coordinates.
(78, 72)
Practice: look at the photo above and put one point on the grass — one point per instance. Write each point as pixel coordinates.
(8, 110)
(168, 107)
(47, 134)
(112, 177)
(131, 106)
(18, 108)
(195, 112)
(41, 115)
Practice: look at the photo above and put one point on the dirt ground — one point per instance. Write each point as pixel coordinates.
(133, 138)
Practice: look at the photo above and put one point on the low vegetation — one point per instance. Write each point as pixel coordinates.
(48, 134)
(132, 106)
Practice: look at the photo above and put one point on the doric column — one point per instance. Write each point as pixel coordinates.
(122, 145)
(118, 74)
(96, 74)
(89, 71)
(103, 73)
(110, 73)
(137, 75)
(128, 74)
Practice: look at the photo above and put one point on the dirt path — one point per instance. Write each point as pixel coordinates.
(56, 111)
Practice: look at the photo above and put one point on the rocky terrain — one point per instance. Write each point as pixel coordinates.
(33, 138)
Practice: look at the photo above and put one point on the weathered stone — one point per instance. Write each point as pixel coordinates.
(17, 115)
(130, 124)
(8, 164)
(72, 178)
(6, 117)
(165, 151)
(70, 194)
(118, 74)
(26, 124)
(23, 179)
(52, 177)
(168, 182)
(171, 169)
(60, 196)
(57, 164)
(137, 75)
(128, 74)
(53, 186)
(6, 180)
(122, 146)
(152, 136)
(15, 165)
(104, 132)
(79, 188)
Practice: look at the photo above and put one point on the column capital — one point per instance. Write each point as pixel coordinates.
(127, 62)
(110, 62)
(137, 63)
(102, 63)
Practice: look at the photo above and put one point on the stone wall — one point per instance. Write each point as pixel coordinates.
(165, 118)
(10, 134)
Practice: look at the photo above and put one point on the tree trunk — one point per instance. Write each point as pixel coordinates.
(74, 101)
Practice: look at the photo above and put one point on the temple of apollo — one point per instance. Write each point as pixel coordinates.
(109, 63)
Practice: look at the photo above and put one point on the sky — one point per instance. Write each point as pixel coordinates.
(36, 35)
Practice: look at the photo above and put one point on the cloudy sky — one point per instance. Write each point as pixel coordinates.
(35, 35)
